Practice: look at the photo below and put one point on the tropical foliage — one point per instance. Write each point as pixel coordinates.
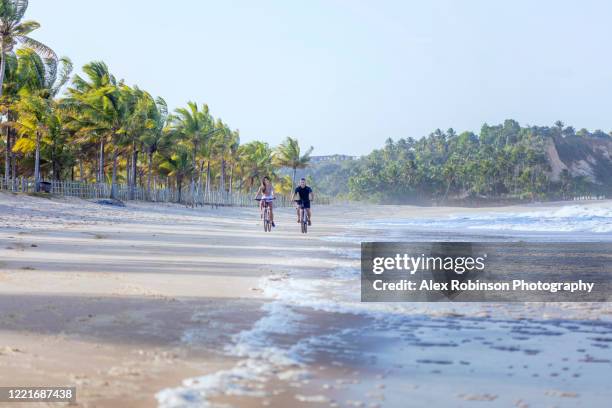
(289, 155)
(102, 130)
(506, 161)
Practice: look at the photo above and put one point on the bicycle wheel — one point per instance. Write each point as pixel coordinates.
(302, 220)
(266, 221)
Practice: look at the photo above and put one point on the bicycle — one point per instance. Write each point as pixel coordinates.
(303, 217)
(267, 223)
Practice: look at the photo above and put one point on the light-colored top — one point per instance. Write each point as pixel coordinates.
(267, 193)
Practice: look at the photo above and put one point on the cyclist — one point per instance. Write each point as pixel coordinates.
(266, 191)
(306, 195)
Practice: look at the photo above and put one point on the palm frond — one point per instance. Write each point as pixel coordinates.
(64, 75)
(40, 48)
(20, 7)
(162, 106)
(25, 27)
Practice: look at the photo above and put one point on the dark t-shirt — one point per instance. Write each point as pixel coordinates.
(304, 193)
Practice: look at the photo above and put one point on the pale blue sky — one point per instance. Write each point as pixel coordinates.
(345, 75)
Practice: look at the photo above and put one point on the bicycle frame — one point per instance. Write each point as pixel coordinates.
(303, 217)
(267, 222)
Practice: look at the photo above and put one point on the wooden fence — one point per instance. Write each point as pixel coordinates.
(124, 192)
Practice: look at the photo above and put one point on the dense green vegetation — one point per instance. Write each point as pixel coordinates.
(96, 128)
(330, 177)
(503, 162)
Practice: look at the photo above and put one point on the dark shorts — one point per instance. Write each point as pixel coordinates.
(306, 204)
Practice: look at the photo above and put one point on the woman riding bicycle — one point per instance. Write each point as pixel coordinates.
(266, 191)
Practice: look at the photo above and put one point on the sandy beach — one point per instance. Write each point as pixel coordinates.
(101, 297)
(127, 302)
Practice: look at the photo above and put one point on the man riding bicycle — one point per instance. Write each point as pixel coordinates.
(306, 195)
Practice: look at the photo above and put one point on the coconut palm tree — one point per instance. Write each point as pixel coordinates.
(256, 162)
(99, 103)
(196, 126)
(155, 133)
(177, 163)
(36, 104)
(232, 157)
(61, 153)
(136, 112)
(288, 154)
(224, 144)
(283, 186)
(32, 124)
(13, 81)
(13, 30)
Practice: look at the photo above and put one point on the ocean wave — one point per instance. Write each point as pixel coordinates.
(570, 218)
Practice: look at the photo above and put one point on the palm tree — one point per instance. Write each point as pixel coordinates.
(12, 84)
(283, 186)
(99, 105)
(12, 31)
(136, 112)
(61, 152)
(196, 126)
(288, 155)
(36, 105)
(155, 133)
(177, 164)
(224, 145)
(256, 161)
(33, 116)
(232, 157)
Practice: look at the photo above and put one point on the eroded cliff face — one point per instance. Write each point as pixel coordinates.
(590, 157)
(556, 165)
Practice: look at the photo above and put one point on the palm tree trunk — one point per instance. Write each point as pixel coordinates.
(133, 171)
(194, 166)
(7, 157)
(200, 181)
(231, 180)
(222, 177)
(54, 163)
(149, 171)
(101, 162)
(208, 176)
(37, 164)
(13, 166)
(2, 70)
(293, 179)
(179, 187)
(81, 170)
(113, 192)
